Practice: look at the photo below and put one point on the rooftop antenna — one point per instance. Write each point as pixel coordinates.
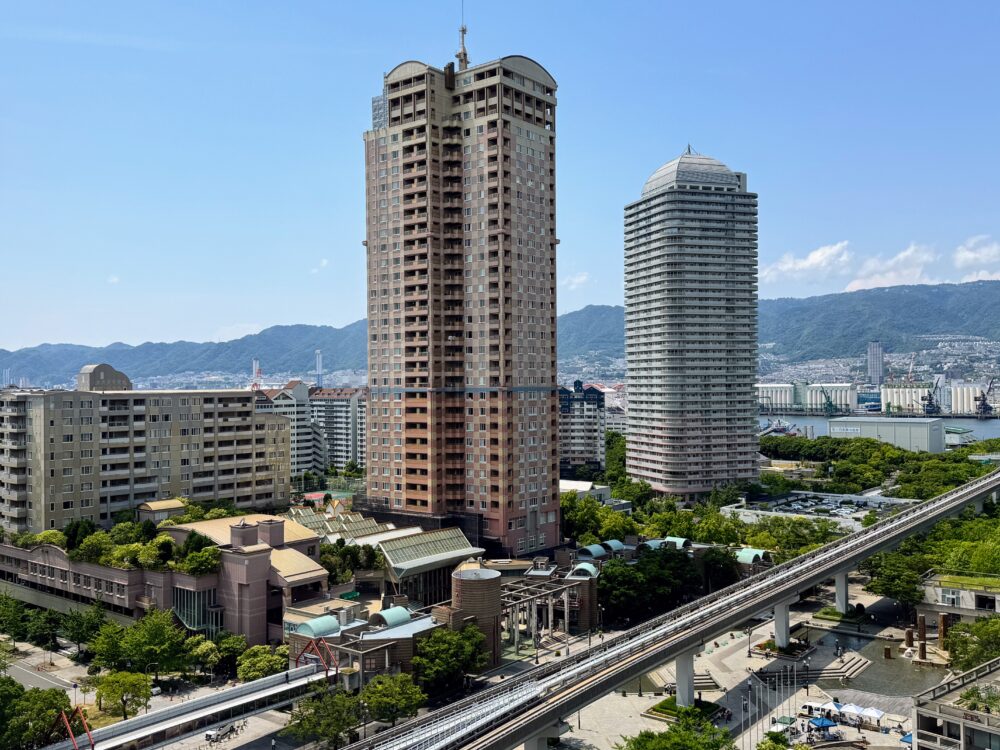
(462, 54)
(690, 151)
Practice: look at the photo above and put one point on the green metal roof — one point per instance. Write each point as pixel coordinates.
(612, 545)
(319, 626)
(749, 555)
(586, 569)
(592, 550)
(678, 541)
(394, 616)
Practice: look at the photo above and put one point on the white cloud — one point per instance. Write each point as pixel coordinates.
(575, 281)
(906, 267)
(981, 250)
(113, 279)
(322, 264)
(818, 264)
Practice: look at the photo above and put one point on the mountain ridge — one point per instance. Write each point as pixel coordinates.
(832, 325)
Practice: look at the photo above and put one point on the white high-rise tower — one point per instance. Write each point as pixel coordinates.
(691, 327)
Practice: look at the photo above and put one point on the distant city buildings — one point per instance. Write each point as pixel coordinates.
(103, 448)
(340, 414)
(691, 327)
(876, 363)
(582, 426)
(461, 249)
(308, 442)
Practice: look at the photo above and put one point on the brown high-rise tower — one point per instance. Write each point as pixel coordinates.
(460, 194)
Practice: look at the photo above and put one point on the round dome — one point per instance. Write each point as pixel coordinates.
(690, 167)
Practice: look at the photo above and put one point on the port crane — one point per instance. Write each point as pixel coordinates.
(929, 400)
(984, 408)
(909, 372)
(830, 409)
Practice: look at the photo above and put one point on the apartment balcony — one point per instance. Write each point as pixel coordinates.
(12, 411)
(11, 444)
(11, 495)
(13, 462)
(16, 512)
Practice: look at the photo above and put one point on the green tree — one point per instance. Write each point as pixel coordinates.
(11, 692)
(970, 644)
(78, 530)
(202, 652)
(259, 661)
(34, 719)
(230, 647)
(127, 532)
(195, 542)
(203, 562)
(13, 620)
(691, 732)
(325, 716)
(108, 647)
(720, 567)
(82, 625)
(445, 656)
(44, 626)
(126, 691)
(155, 641)
(94, 548)
(392, 697)
(893, 576)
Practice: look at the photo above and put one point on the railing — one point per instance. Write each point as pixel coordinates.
(178, 711)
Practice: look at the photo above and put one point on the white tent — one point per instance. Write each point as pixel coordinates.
(831, 706)
(852, 709)
(873, 713)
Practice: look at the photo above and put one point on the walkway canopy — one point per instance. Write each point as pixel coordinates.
(822, 722)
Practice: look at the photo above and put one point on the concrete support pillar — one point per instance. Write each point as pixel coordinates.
(921, 628)
(517, 628)
(840, 582)
(908, 637)
(942, 628)
(537, 743)
(552, 616)
(781, 629)
(922, 651)
(684, 673)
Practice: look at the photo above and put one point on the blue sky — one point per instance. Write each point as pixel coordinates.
(194, 170)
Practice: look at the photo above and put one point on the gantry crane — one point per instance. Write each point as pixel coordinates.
(984, 408)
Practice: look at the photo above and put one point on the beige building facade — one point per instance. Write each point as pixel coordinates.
(68, 455)
(461, 250)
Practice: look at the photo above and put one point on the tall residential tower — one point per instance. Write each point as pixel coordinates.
(461, 245)
(876, 363)
(691, 327)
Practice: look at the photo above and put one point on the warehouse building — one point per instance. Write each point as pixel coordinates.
(912, 434)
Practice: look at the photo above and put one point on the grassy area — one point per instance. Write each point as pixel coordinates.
(831, 614)
(983, 583)
(668, 707)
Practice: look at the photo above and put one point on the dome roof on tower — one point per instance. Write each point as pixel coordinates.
(690, 167)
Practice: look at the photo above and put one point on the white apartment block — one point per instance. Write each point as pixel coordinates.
(691, 327)
(105, 448)
(308, 444)
(582, 425)
(340, 414)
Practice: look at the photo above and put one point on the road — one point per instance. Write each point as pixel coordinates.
(24, 672)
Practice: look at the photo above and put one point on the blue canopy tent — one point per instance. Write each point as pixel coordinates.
(821, 722)
(907, 738)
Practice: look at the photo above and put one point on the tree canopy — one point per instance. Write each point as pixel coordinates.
(445, 656)
(691, 731)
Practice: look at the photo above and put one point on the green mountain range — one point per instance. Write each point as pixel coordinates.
(833, 325)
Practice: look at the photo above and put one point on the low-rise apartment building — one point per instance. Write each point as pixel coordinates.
(92, 452)
(340, 414)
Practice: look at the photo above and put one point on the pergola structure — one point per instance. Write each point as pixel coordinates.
(521, 598)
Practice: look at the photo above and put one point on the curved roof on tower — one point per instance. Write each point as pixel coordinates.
(319, 627)
(690, 167)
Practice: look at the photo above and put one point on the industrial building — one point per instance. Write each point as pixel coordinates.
(807, 398)
(103, 448)
(912, 434)
(691, 327)
(461, 252)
